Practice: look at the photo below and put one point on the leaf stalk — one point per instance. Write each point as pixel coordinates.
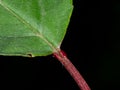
(61, 56)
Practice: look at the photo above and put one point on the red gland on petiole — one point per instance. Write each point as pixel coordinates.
(57, 55)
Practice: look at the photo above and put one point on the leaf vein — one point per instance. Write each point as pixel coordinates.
(34, 30)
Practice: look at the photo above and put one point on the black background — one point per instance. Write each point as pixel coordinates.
(91, 43)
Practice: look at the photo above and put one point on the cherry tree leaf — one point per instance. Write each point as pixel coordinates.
(33, 27)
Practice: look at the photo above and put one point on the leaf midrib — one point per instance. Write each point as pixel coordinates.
(33, 29)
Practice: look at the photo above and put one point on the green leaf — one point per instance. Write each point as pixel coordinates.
(35, 27)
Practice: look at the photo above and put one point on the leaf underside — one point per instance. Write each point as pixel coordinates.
(33, 27)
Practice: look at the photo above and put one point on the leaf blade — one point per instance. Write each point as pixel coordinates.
(40, 28)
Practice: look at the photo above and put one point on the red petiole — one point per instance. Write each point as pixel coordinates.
(61, 56)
